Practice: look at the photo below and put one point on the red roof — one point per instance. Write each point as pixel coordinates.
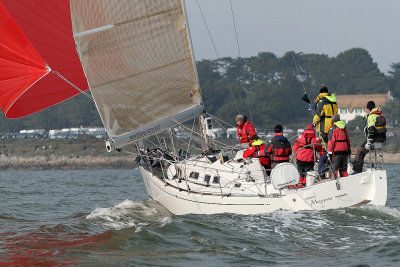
(360, 101)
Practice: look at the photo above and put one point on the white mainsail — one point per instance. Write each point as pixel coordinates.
(137, 58)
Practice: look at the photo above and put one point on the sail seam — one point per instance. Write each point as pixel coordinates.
(107, 27)
(147, 16)
(142, 72)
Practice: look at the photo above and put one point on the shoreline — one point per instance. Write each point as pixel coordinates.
(17, 163)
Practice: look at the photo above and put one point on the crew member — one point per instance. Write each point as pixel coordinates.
(325, 108)
(245, 130)
(278, 148)
(257, 145)
(305, 149)
(375, 131)
(339, 146)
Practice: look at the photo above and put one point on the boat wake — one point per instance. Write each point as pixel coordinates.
(324, 233)
(129, 214)
(377, 212)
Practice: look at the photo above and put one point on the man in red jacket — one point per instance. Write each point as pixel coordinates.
(339, 146)
(278, 148)
(256, 146)
(245, 129)
(305, 149)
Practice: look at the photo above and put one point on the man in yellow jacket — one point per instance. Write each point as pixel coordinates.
(325, 108)
(375, 132)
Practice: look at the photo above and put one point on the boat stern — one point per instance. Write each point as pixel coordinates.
(378, 195)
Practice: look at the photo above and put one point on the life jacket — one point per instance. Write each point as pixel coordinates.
(256, 147)
(376, 119)
(245, 132)
(338, 139)
(280, 149)
(324, 115)
(305, 151)
(257, 144)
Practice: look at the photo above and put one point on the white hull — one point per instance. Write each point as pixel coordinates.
(369, 187)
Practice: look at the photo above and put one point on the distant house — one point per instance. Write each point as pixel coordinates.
(351, 106)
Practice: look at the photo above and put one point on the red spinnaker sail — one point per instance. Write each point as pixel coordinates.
(35, 34)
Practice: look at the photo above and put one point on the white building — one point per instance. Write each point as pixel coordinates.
(75, 132)
(231, 133)
(216, 133)
(54, 133)
(351, 106)
(97, 132)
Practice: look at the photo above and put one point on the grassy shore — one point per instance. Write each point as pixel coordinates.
(64, 163)
(49, 154)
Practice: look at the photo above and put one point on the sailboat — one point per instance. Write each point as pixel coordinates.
(136, 58)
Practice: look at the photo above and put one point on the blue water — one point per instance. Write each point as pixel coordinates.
(104, 217)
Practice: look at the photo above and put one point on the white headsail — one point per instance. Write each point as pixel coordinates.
(137, 59)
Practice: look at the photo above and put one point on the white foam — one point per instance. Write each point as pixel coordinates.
(127, 214)
(126, 204)
(165, 221)
(395, 212)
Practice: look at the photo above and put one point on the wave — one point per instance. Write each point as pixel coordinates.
(129, 214)
(383, 212)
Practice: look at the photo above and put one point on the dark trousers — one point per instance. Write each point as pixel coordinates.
(339, 162)
(358, 162)
(323, 165)
(304, 166)
(359, 158)
(324, 137)
(267, 169)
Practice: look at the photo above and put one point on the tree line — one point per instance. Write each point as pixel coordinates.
(267, 88)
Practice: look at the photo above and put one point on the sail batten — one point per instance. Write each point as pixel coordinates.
(141, 70)
(99, 29)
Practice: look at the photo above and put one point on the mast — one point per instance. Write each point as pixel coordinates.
(203, 126)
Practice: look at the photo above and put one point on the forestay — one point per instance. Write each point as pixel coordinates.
(137, 58)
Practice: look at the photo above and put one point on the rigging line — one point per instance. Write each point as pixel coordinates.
(298, 72)
(158, 139)
(215, 49)
(73, 85)
(234, 25)
(190, 139)
(172, 142)
(208, 30)
(293, 57)
(305, 92)
(211, 141)
(189, 145)
(240, 56)
(220, 144)
(222, 126)
(219, 119)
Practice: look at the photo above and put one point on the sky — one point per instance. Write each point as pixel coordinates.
(308, 26)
